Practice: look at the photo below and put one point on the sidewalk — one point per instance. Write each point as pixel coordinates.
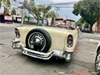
(97, 34)
(15, 24)
(11, 24)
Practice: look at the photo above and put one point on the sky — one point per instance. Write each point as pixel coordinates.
(66, 13)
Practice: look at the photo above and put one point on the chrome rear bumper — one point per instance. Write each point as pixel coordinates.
(41, 55)
(36, 54)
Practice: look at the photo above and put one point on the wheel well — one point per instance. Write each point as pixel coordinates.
(98, 49)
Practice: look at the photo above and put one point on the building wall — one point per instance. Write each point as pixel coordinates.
(1, 10)
(96, 26)
(18, 11)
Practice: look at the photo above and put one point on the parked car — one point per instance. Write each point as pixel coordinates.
(32, 20)
(43, 42)
(97, 60)
(86, 30)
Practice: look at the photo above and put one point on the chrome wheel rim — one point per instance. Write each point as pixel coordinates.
(98, 63)
(37, 41)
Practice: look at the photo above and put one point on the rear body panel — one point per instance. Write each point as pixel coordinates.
(58, 36)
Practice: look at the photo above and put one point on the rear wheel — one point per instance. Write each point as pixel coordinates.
(97, 63)
(39, 40)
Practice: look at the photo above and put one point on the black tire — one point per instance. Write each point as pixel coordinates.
(43, 37)
(98, 72)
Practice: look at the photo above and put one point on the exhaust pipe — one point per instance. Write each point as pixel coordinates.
(67, 56)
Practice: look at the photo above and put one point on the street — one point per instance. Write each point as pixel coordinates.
(13, 62)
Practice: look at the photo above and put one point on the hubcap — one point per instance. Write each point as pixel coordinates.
(37, 41)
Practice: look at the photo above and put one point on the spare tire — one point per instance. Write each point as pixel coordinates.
(39, 40)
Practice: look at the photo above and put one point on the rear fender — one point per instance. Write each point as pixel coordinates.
(98, 49)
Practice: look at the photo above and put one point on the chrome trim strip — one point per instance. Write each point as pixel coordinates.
(69, 50)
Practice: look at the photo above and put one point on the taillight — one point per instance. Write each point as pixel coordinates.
(70, 41)
(17, 33)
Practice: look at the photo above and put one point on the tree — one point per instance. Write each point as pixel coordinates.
(0, 3)
(31, 7)
(89, 10)
(43, 9)
(36, 10)
(13, 12)
(25, 4)
(6, 10)
(6, 3)
(80, 22)
(51, 14)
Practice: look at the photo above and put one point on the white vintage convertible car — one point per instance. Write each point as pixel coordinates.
(97, 60)
(43, 42)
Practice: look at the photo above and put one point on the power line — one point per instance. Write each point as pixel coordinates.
(17, 1)
(63, 7)
(67, 3)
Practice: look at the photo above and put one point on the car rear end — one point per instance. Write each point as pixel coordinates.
(62, 44)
